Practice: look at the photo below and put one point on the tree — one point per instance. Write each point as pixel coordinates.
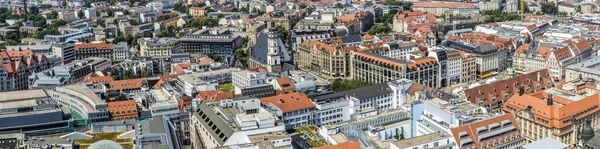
(282, 33)
(303, 6)
(215, 57)
(343, 85)
(220, 15)
(146, 73)
(134, 23)
(242, 54)
(228, 87)
(397, 135)
(339, 5)
(550, 8)
(80, 14)
(405, 5)
(578, 8)
(402, 134)
(53, 14)
(389, 17)
(379, 29)
(180, 8)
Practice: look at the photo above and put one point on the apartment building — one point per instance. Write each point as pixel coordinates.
(469, 67)
(440, 8)
(121, 51)
(493, 95)
(294, 109)
(555, 112)
(530, 57)
(407, 20)
(585, 69)
(498, 132)
(197, 12)
(84, 50)
(17, 66)
(156, 47)
(231, 123)
(375, 68)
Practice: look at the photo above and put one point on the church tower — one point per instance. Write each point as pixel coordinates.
(273, 57)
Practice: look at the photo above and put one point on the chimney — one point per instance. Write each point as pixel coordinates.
(538, 77)
(521, 90)
(549, 100)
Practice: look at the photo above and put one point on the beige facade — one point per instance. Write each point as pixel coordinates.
(158, 47)
(323, 58)
(468, 68)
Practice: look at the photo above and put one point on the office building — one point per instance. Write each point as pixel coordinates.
(66, 51)
(370, 67)
(157, 46)
(219, 42)
(231, 123)
(31, 110)
(294, 109)
(83, 100)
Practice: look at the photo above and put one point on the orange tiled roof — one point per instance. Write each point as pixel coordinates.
(444, 4)
(211, 96)
(475, 129)
(345, 145)
(97, 46)
(289, 102)
(346, 17)
(127, 84)
(553, 116)
(286, 84)
(97, 79)
(485, 93)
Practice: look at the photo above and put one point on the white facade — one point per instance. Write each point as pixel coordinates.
(89, 13)
(434, 140)
(120, 52)
(246, 78)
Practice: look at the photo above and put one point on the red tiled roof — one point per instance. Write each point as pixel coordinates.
(475, 129)
(286, 84)
(211, 96)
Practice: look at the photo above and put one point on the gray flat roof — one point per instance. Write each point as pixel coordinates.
(546, 143)
(586, 66)
(22, 94)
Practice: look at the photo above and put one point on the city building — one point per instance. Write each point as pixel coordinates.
(371, 67)
(66, 52)
(557, 113)
(325, 57)
(442, 8)
(493, 95)
(253, 83)
(197, 12)
(231, 123)
(121, 51)
(566, 8)
(547, 143)
(191, 84)
(84, 50)
(121, 110)
(209, 41)
(294, 109)
(530, 57)
(157, 46)
(468, 68)
(17, 66)
(497, 132)
(345, 145)
(433, 140)
(31, 110)
(585, 69)
(83, 100)
(80, 36)
(158, 132)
